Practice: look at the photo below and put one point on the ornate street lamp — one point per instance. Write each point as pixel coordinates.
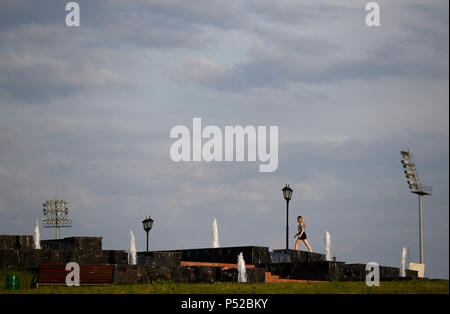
(148, 224)
(287, 194)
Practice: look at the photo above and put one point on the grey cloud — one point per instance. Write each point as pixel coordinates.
(34, 78)
(280, 57)
(295, 13)
(215, 13)
(294, 65)
(150, 23)
(292, 13)
(279, 73)
(63, 60)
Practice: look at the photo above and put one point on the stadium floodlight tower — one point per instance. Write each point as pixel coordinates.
(56, 215)
(417, 188)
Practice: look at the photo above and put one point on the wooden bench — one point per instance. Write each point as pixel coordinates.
(90, 274)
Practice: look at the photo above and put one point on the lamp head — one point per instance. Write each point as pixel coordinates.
(147, 224)
(287, 192)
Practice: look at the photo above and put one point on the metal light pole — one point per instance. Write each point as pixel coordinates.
(148, 224)
(417, 188)
(287, 194)
(56, 215)
(421, 229)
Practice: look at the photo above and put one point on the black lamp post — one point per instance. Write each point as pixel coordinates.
(148, 224)
(287, 194)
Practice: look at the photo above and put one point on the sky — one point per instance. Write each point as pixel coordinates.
(86, 114)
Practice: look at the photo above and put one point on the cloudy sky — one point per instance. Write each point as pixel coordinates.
(86, 113)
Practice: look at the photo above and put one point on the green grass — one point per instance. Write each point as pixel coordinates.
(167, 287)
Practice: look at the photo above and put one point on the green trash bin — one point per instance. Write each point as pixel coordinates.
(12, 282)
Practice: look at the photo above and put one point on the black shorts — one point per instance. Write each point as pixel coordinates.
(303, 237)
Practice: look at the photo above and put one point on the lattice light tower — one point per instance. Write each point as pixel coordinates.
(56, 215)
(417, 188)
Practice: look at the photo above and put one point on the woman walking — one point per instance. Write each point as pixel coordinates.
(301, 234)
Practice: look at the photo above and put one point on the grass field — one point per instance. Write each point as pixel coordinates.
(166, 287)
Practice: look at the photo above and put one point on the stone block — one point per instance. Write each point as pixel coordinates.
(205, 274)
(132, 274)
(125, 274)
(16, 242)
(256, 274)
(31, 258)
(230, 275)
(252, 254)
(357, 272)
(170, 259)
(320, 271)
(73, 243)
(298, 256)
(279, 257)
(113, 257)
(411, 274)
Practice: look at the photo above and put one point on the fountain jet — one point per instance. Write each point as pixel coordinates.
(329, 253)
(242, 272)
(215, 234)
(37, 236)
(132, 250)
(403, 262)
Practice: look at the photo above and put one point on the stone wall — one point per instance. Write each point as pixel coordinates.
(31, 258)
(131, 274)
(320, 270)
(73, 243)
(279, 257)
(298, 256)
(330, 271)
(252, 254)
(357, 272)
(16, 251)
(16, 242)
(171, 259)
(195, 274)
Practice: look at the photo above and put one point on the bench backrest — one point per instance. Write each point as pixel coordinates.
(90, 274)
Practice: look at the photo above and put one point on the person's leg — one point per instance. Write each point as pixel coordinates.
(307, 244)
(297, 243)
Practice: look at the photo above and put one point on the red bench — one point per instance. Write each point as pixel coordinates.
(90, 274)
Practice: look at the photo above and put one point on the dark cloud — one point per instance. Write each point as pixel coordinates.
(150, 23)
(20, 12)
